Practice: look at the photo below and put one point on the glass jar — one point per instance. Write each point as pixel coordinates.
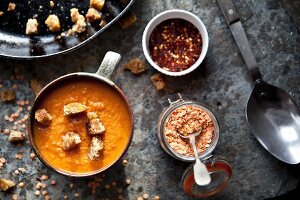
(218, 167)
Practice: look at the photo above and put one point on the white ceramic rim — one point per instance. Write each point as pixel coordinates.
(173, 14)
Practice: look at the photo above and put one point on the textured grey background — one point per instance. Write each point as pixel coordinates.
(222, 82)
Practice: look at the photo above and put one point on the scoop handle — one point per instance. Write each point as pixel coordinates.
(109, 64)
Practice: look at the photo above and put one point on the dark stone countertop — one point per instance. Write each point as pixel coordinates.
(222, 82)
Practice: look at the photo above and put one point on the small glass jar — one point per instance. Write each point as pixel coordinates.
(218, 167)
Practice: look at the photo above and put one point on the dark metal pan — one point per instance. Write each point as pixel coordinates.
(14, 43)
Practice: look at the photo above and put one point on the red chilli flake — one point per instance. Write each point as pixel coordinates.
(175, 45)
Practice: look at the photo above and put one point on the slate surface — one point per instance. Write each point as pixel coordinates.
(222, 82)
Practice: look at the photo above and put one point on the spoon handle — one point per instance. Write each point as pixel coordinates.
(237, 30)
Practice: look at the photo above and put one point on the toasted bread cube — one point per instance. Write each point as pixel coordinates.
(95, 148)
(79, 26)
(158, 81)
(8, 95)
(11, 7)
(70, 140)
(92, 115)
(136, 66)
(98, 4)
(74, 108)
(16, 136)
(95, 127)
(92, 15)
(74, 14)
(43, 117)
(6, 184)
(31, 27)
(53, 23)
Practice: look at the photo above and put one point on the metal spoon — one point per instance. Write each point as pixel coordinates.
(201, 174)
(272, 114)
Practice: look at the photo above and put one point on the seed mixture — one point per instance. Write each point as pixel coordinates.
(186, 120)
(175, 45)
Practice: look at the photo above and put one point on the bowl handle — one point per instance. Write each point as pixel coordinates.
(108, 65)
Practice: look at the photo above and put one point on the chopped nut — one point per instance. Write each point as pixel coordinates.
(43, 116)
(79, 20)
(11, 7)
(95, 127)
(44, 192)
(53, 23)
(136, 66)
(140, 198)
(8, 95)
(92, 15)
(6, 184)
(19, 156)
(98, 4)
(70, 140)
(158, 81)
(92, 115)
(31, 27)
(16, 136)
(74, 108)
(47, 197)
(127, 21)
(96, 148)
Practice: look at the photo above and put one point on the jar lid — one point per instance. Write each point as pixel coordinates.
(220, 171)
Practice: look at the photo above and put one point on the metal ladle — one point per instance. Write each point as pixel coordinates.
(272, 114)
(201, 174)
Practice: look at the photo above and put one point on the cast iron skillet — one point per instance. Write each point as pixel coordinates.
(14, 43)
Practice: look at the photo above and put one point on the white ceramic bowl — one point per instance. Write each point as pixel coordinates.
(171, 14)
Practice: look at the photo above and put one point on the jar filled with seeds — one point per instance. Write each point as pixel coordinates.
(182, 118)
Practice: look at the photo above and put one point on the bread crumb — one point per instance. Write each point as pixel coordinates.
(6, 184)
(95, 148)
(31, 27)
(158, 81)
(92, 15)
(74, 108)
(136, 66)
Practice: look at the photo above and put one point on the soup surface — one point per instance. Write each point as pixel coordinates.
(99, 98)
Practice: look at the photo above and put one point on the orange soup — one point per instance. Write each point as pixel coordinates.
(99, 98)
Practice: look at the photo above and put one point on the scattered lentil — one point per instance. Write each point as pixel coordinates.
(14, 197)
(77, 195)
(32, 155)
(125, 162)
(37, 192)
(21, 184)
(53, 182)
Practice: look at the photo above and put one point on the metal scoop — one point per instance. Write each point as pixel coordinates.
(201, 174)
(272, 114)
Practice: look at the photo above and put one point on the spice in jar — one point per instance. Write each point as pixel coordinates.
(186, 120)
(175, 45)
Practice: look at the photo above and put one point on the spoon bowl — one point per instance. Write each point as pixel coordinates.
(274, 119)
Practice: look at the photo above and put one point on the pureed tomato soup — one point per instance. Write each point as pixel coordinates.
(175, 45)
(99, 98)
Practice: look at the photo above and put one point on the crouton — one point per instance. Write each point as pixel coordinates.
(95, 127)
(158, 81)
(16, 136)
(74, 108)
(70, 140)
(98, 4)
(6, 184)
(136, 66)
(43, 117)
(92, 15)
(53, 23)
(31, 27)
(79, 20)
(95, 148)
(8, 95)
(11, 7)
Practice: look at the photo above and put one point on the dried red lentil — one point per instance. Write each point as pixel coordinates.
(186, 120)
(175, 45)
